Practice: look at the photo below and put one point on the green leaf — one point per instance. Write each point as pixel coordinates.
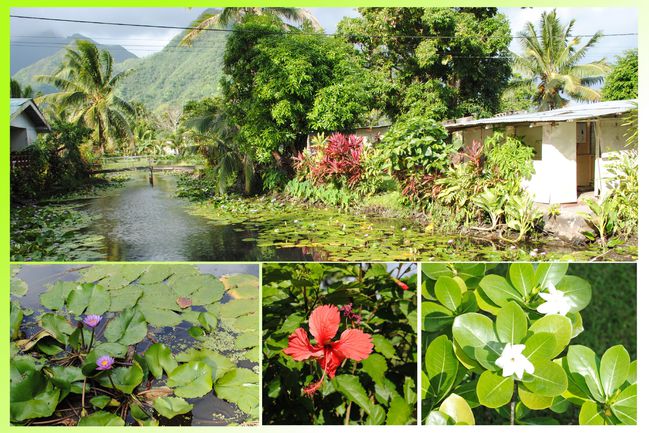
(591, 414)
(124, 298)
(584, 369)
(170, 407)
(533, 401)
(557, 325)
(614, 369)
(625, 405)
(57, 326)
(441, 367)
(548, 379)
(493, 390)
(399, 413)
(101, 418)
(436, 270)
(100, 401)
(498, 290)
(448, 293)
(207, 320)
(31, 399)
(577, 290)
(435, 316)
(191, 380)
(475, 335)
(547, 273)
(383, 346)
(350, 386)
(128, 327)
(375, 366)
(376, 415)
(541, 345)
(511, 323)
(125, 379)
(458, 409)
(241, 387)
(55, 296)
(88, 299)
(219, 363)
(158, 358)
(160, 317)
(523, 278)
(18, 287)
(16, 319)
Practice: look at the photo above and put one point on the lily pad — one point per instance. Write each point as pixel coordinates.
(160, 317)
(191, 380)
(220, 364)
(241, 286)
(246, 341)
(159, 357)
(124, 298)
(125, 379)
(88, 299)
(18, 287)
(170, 407)
(129, 327)
(56, 294)
(101, 418)
(241, 387)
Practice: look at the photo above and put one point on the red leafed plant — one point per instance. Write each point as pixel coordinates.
(338, 158)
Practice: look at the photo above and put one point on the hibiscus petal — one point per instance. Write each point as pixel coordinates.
(354, 344)
(330, 362)
(323, 323)
(299, 346)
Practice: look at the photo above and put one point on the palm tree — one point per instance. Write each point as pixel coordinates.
(228, 16)
(17, 91)
(87, 83)
(551, 58)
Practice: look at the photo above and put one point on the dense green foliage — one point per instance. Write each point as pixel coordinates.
(278, 85)
(382, 303)
(94, 345)
(435, 74)
(551, 56)
(499, 343)
(53, 164)
(622, 82)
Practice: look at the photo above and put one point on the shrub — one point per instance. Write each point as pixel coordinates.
(474, 314)
(508, 161)
(623, 197)
(327, 194)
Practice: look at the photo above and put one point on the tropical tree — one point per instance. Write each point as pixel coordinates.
(17, 91)
(87, 83)
(551, 58)
(622, 82)
(229, 16)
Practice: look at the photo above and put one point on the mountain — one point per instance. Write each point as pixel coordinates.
(50, 63)
(176, 74)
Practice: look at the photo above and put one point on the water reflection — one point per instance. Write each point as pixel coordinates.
(144, 223)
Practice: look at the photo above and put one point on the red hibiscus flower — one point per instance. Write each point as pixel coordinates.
(323, 325)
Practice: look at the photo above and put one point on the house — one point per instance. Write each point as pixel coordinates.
(573, 145)
(26, 123)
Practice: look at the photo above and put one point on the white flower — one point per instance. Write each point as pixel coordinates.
(512, 361)
(556, 302)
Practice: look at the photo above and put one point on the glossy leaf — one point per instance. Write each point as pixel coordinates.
(511, 323)
(101, 418)
(441, 366)
(88, 299)
(558, 326)
(191, 380)
(128, 327)
(548, 379)
(241, 387)
(523, 278)
(350, 386)
(547, 273)
(625, 405)
(458, 409)
(158, 358)
(493, 390)
(584, 368)
(577, 290)
(499, 290)
(591, 414)
(448, 293)
(125, 379)
(614, 369)
(170, 407)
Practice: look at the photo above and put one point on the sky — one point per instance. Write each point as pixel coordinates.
(143, 42)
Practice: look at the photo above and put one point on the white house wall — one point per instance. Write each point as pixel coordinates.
(25, 123)
(612, 141)
(558, 175)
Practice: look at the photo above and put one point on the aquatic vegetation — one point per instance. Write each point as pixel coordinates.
(499, 340)
(356, 364)
(51, 233)
(328, 234)
(123, 344)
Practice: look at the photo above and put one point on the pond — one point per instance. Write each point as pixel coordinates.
(228, 291)
(140, 222)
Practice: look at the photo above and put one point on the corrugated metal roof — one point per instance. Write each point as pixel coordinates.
(18, 106)
(571, 112)
(16, 103)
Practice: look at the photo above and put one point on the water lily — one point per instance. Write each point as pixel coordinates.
(556, 302)
(512, 361)
(92, 320)
(105, 363)
(323, 325)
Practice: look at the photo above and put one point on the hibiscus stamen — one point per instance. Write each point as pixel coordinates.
(313, 387)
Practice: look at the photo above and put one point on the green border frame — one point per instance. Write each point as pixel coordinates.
(642, 8)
